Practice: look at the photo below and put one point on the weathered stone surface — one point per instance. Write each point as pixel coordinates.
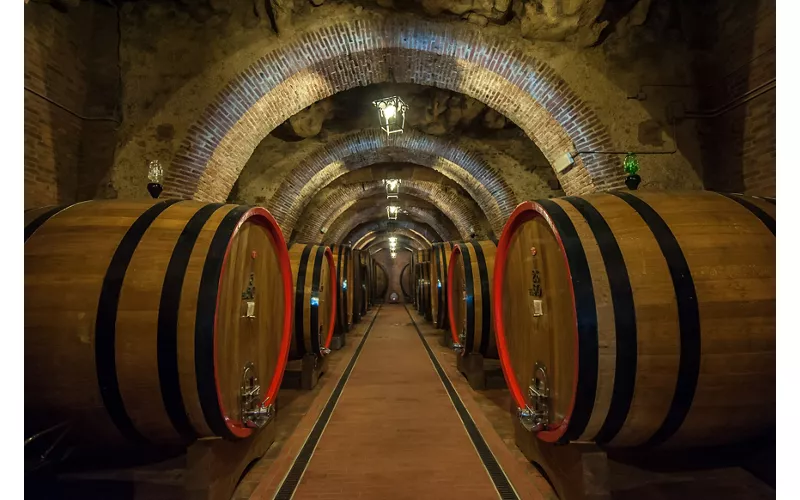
(308, 123)
(282, 13)
(562, 20)
(472, 10)
(494, 120)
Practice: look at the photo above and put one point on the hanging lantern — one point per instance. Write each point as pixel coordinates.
(631, 167)
(392, 211)
(392, 188)
(392, 112)
(156, 175)
(394, 254)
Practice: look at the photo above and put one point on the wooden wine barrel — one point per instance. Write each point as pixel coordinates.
(405, 278)
(469, 294)
(420, 296)
(422, 282)
(343, 256)
(426, 290)
(381, 282)
(650, 314)
(142, 319)
(370, 281)
(314, 317)
(363, 284)
(440, 259)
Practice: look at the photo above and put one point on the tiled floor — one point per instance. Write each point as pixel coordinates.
(394, 433)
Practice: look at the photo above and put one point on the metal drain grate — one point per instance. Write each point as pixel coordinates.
(501, 482)
(292, 479)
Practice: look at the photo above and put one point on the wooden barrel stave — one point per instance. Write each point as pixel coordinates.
(314, 277)
(469, 277)
(343, 256)
(673, 288)
(120, 263)
(441, 259)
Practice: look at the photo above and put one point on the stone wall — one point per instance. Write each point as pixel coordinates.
(71, 92)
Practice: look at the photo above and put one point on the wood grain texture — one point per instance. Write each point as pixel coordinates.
(664, 376)
(343, 256)
(70, 264)
(313, 260)
(470, 295)
(441, 259)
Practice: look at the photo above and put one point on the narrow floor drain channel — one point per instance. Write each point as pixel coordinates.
(292, 479)
(501, 482)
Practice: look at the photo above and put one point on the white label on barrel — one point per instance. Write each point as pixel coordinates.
(537, 308)
(251, 309)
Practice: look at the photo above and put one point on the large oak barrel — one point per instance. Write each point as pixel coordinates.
(143, 320)
(381, 282)
(440, 259)
(363, 283)
(343, 256)
(426, 288)
(359, 286)
(314, 317)
(370, 279)
(649, 317)
(469, 297)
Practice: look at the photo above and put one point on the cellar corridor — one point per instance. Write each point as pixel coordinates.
(393, 431)
(378, 249)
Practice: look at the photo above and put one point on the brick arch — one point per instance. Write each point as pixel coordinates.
(402, 241)
(423, 231)
(342, 54)
(465, 216)
(372, 146)
(370, 240)
(344, 225)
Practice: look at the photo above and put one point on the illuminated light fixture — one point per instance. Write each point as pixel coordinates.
(392, 211)
(156, 175)
(392, 112)
(344, 285)
(314, 301)
(392, 188)
(393, 242)
(394, 254)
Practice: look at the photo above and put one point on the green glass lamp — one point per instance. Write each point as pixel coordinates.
(631, 166)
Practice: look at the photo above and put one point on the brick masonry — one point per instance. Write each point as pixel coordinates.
(347, 223)
(739, 78)
(464, 214)
(361, 235)
(319, 63)
(480, 179)
(69, 60)
(405, 238)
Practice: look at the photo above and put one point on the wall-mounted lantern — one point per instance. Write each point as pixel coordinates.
(392, 188)
(156, 175)
(392, 211)
(392, 112)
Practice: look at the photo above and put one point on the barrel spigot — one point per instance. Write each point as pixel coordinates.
(254, 412)
(535, 416)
